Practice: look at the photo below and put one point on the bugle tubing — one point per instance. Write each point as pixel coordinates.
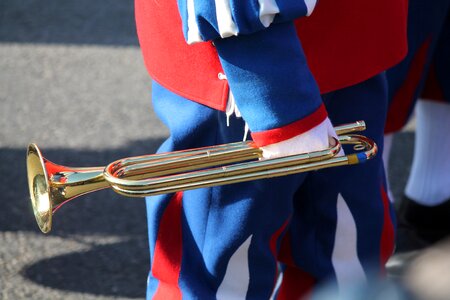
(52, 185)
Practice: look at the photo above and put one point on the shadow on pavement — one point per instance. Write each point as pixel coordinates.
(105, 22)
(103, 212)
(94, 272)
(117, 269)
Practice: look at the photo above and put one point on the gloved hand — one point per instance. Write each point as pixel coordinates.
(316, 139)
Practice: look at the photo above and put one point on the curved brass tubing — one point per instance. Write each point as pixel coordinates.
(52, 185)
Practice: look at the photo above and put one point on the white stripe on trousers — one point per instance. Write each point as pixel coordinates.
(347, 267)
(310, 5)
(234, 285)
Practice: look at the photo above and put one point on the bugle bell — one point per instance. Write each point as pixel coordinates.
(52, 185)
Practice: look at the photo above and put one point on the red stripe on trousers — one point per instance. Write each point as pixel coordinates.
(273, 244)
(168, 251)
(400, 106)
(387, 235)
(296, 284)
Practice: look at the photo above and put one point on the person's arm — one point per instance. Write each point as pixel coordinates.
(266, 68)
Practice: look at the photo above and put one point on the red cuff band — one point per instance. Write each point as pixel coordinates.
(276, 135)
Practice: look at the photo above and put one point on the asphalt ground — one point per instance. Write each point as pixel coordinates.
(72, 80)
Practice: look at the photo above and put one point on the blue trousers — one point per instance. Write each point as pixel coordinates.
(228, 242)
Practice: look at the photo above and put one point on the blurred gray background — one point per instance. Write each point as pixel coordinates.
(72, 80)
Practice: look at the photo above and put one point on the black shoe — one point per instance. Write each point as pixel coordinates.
(419, 226)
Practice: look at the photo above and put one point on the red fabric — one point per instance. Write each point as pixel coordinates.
(296, 284)
(189, 71)
(433, 89)
(349, 41)
(263, 138)
(335, 39)
(168, 252)
(403, 99)
(273, 243)
(387, 236)
(276, 236)
(285, 253)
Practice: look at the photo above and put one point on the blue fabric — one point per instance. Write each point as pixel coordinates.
(269, 95)
(314, 221)
(216, 221)
(206, 20)
(245, 15)
(425, 21)
(442, 57)
(290, 10)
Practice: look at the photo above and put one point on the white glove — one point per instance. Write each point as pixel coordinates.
(316, 139)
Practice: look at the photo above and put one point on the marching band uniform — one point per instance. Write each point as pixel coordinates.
(224, 242)
(424, 73)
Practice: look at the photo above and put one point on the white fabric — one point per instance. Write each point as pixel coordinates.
(318, 138)
(386, 155)
(225, 22)
(193, 30)
(310, 5)
(346, 264)
(429, 180)
(237, 277)
(267, 11)
(233, 109)
(277, 286)
(387, 150)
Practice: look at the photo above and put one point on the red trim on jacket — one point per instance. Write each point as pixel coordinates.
(346, 42)
(190, 71)
(276, 135)
(349, 41)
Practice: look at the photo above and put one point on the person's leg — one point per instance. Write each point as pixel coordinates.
(406, 80)
(388, 141)
(216, 242)
(343, 227)
(429, 180)
(425, 208)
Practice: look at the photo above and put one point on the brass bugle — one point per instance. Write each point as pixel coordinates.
(51, 185)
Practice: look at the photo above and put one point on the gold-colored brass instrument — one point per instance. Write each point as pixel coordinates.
(52, 185)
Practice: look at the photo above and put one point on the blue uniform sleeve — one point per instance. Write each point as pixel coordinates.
(271, 83)
(265, 66)
(205, 20)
